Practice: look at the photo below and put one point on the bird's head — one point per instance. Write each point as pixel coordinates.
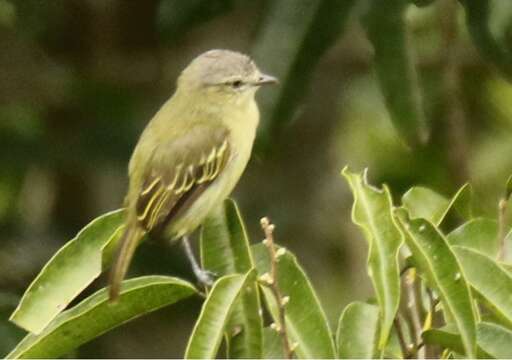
(223, 75)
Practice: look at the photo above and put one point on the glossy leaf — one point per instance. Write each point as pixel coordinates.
(305, 319)
(372, 212)
(438, 263)
(67, 273)
(427, 204)
(208, 331)
(489, 279)
(225, 250)
(96, 315)
(479, 234)
(357, 332)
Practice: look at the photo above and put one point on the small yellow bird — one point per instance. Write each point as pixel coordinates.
(191, 154)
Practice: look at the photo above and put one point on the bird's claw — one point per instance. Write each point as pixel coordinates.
(205, 277)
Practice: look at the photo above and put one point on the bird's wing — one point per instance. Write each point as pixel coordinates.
(178, 172)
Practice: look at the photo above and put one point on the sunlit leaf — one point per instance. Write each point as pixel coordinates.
(438, 263)
(425, 203)
(448, 338)
(494, 341)
(357, 332)
(372, 212)
(489, 279)
(225, 250)
(96, 315)
(207, 334)
(305, 319)
(67, 273)
(479, 234)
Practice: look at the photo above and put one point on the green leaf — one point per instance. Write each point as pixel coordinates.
(478, 234)
(96, 315)
(395, 70)
(372, 212)
(225, 250)
(427, 204)
(494, 341)
(448, 338)
(272, 345)
(224, 242)
(207, 334)
(438, 263)
(489, 279)
(357, 332)
(305, 319)
(67, 273)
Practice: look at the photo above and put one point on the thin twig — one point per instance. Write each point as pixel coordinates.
(413, 310)
(401, 338)
(433, 352)
(271, 281)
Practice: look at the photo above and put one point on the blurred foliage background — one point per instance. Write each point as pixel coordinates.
(362, 83)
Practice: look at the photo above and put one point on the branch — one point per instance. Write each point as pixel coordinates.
(414, 311)
(271, 281)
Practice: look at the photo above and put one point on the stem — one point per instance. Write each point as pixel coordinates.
(401, 338)
(413, 311)
(433, 352)
(272, 283)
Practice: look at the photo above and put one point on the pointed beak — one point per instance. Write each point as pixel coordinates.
(265, 79)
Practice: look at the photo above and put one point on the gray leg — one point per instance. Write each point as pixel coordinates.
(205, 277)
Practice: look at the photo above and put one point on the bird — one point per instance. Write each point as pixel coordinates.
(191, 155)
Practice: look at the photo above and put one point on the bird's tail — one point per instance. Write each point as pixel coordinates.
(127, 245)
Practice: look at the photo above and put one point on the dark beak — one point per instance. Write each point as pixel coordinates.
(265, 79)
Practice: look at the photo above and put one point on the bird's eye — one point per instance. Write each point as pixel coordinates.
(236, 84)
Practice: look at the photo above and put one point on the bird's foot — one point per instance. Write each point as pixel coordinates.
(205, 277)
